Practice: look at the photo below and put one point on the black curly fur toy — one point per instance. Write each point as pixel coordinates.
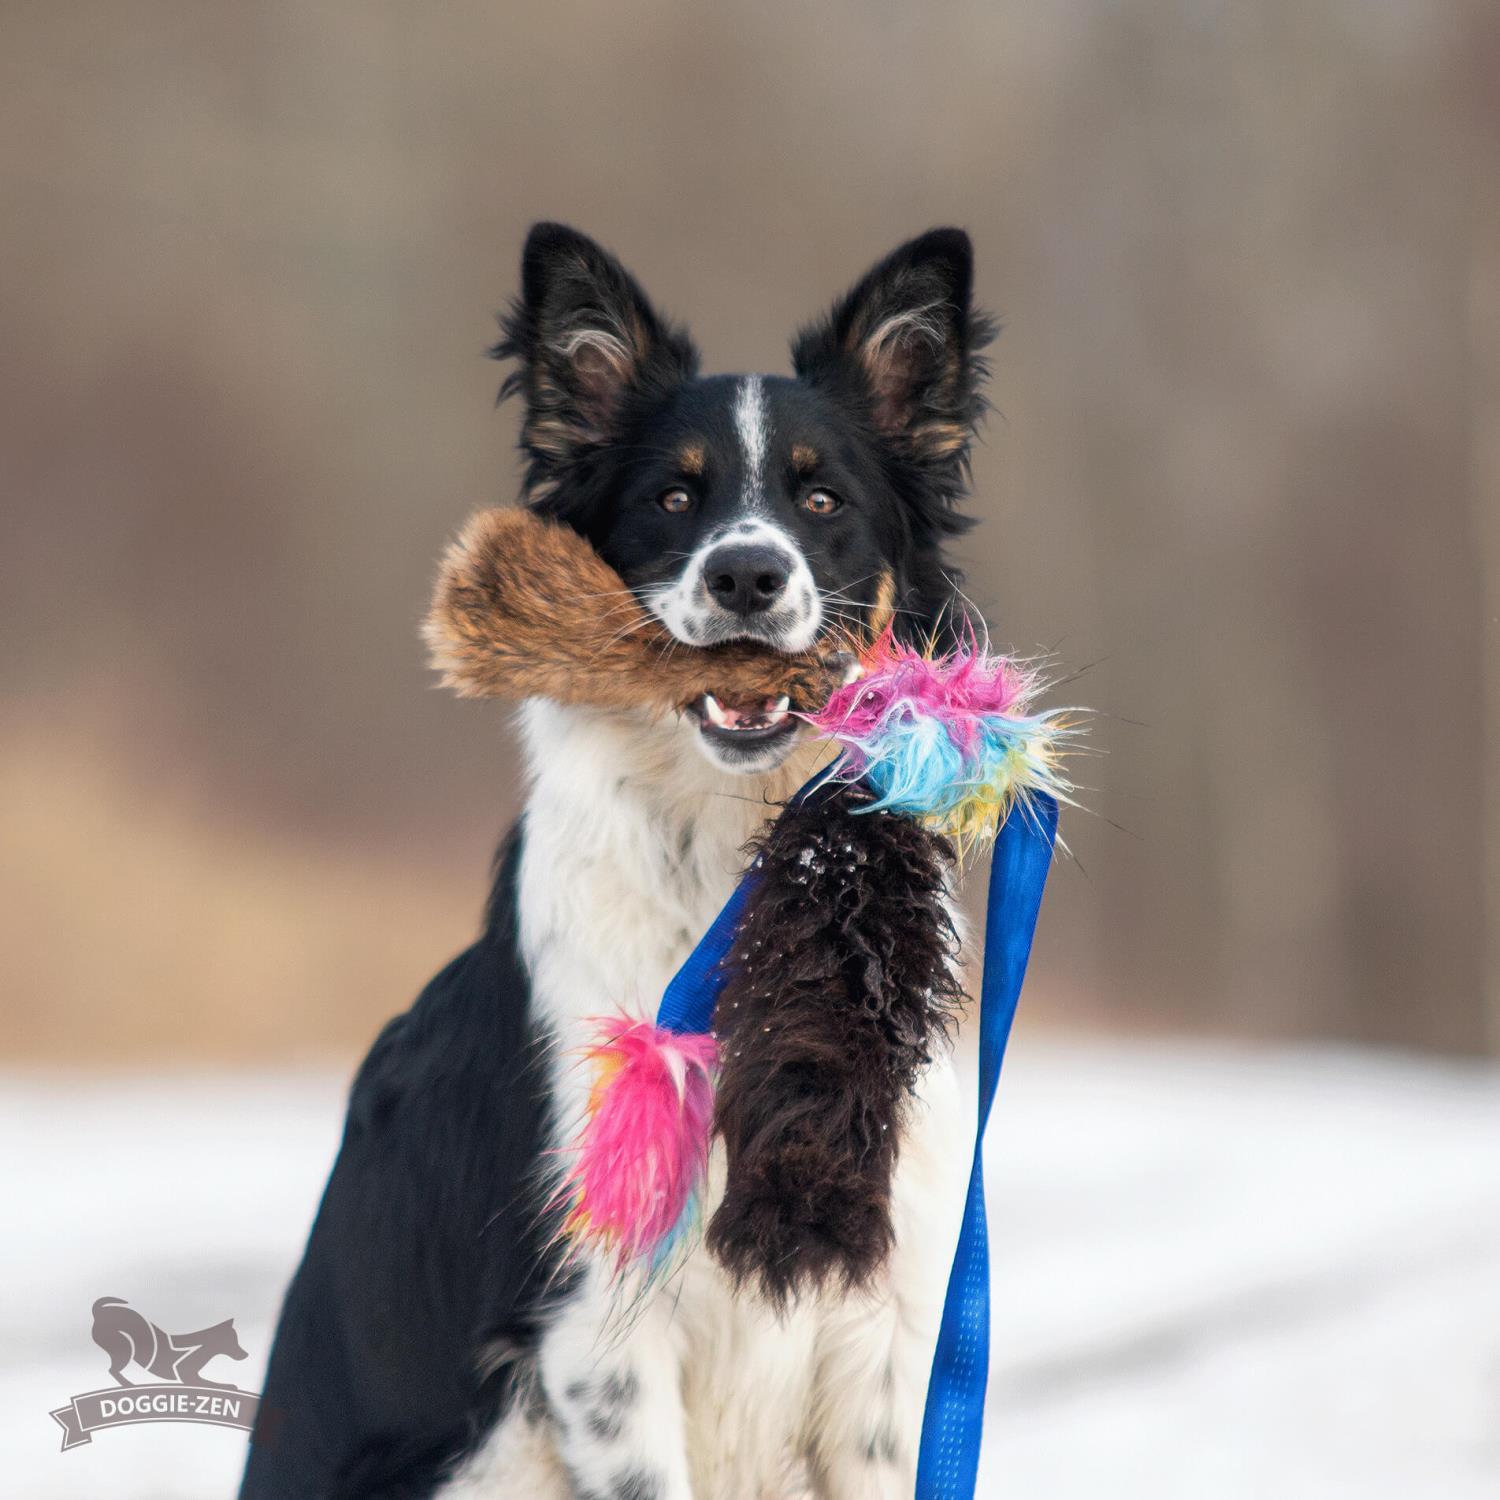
(841, 981)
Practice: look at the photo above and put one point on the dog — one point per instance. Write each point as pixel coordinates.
(128, 1338)
(431, 1342)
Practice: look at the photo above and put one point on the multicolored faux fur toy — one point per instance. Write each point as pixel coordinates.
(796, 1030)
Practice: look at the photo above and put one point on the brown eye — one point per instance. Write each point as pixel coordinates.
(821, 503)
(676, 501)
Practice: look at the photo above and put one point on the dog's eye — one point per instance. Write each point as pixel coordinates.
(821, 503)
(675, 501)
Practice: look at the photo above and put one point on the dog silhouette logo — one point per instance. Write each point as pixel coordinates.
(178, 1390)
(123, 1334)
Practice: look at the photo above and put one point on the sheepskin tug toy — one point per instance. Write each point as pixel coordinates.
(798, 1026)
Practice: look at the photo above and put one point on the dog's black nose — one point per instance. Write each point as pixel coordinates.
(746, 577)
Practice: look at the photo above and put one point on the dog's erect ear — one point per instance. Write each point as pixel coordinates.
(907, 342)
(587, 343)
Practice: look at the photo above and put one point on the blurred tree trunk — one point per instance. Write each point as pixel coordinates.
(1484, 347)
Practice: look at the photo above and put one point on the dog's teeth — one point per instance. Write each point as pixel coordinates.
(716, 715)
(781, 705)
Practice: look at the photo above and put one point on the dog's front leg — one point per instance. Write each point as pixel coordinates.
(867, 1415)
(612, 1381)
(874, 1357)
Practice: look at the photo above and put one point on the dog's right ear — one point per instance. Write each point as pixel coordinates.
(587, 346)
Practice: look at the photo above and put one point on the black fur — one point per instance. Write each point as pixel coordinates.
(890, 420)
(904, 348)
(578, 403)
(428, 1259)
(842, 979)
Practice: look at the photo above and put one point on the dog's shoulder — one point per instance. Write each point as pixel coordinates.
(472, 1023)
(435, 1206)
(447, 1113)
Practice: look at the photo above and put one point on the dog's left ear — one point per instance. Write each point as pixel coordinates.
(587, 345)
(906, 342)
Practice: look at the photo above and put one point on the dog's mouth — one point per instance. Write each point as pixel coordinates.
(743, 726)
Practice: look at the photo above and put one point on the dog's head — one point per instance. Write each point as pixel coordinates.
(766, 508)
(220, 1339)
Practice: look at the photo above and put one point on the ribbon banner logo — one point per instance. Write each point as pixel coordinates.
(180, 1393)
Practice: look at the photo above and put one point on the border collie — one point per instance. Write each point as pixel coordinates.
(430, 1343)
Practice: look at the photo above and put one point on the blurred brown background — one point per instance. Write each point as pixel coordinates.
(1245, 465)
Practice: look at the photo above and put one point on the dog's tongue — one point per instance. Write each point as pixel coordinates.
(762, 715)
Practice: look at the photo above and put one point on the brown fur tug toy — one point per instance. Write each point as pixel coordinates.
(525, 608)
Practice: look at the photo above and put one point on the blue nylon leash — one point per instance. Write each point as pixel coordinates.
(948, 1459)
(687, 1003)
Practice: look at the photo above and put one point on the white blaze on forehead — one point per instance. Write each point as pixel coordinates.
(751, 423)
(687, 607)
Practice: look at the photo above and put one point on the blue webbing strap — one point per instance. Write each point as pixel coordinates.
(687, 1003)
(948, 1460)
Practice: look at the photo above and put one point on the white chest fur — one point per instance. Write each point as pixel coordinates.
(632, 844)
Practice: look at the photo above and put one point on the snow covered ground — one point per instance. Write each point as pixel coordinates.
(1218, 1273)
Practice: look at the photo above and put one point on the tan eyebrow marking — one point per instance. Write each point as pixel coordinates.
(804, 458)
(691, 458)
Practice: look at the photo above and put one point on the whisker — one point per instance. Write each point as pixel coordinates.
(620, 635)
